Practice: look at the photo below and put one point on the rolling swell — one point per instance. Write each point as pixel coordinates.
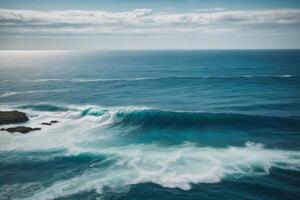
(161, 118)
(158, 118)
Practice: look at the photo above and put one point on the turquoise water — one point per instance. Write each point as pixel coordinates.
(152, 124)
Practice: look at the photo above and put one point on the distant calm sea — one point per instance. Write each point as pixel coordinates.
(152, 125)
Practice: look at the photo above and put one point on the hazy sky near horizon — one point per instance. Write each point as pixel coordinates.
(156, 24)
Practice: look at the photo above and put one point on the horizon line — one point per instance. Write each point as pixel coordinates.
(151, 49)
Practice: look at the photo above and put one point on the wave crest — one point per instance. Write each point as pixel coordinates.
(159, 118)
(117, 166)
(173, 167)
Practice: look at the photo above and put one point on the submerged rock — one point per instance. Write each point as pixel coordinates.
(50, 123)
(45, 123)
(12, 117)
(20, 129)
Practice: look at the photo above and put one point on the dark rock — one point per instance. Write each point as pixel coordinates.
(50, 123)
(20, 129)
(45, 123)
(12, 117)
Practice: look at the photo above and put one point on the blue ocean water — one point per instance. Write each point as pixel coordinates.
(210, 124)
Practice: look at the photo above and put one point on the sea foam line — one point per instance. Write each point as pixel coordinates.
(8, 94)
(86, 80)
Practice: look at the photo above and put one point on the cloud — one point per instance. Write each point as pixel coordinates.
(144, 21)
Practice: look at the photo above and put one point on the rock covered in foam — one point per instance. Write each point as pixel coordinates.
(50, 123)
(45, 123)
(12, 117)
(20, 129)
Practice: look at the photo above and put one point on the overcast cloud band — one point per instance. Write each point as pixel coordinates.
(145, 21)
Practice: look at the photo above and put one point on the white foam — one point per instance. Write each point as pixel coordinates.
(18, 190)
(46, 80)
(173, 167)
(70, 130)
(8, 94)
(87, 80)
(287, 76)
(178, 166)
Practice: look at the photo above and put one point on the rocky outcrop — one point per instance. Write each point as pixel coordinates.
(20, 129)
(12, 117)
(45, 123)
(49, 123)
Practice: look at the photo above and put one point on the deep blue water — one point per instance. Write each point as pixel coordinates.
(152, 124)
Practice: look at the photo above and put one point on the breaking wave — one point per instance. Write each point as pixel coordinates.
(86, 133)
(150, 117)
(171, 167)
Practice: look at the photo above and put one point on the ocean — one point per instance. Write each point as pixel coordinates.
(152, 124)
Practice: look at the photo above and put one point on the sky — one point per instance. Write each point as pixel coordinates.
(149, 24)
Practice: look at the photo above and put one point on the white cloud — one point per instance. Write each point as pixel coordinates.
(144, 21)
